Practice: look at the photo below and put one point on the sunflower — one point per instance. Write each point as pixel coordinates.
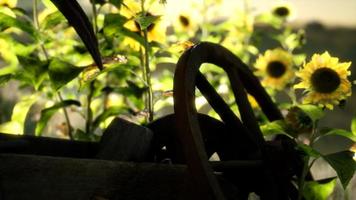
(276, 68)
(185, 23)
(8, 3)
(283, 11)
(325, 81)
(184, 17)
(156, 31)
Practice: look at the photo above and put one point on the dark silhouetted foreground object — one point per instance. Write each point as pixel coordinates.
(247, 163)
(125, 141)
(280, 162)
(38, 177)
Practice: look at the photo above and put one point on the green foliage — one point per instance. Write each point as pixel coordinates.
(319, 190)
(273, 128)
(344, 165)
(339, 132)
(5, 78)
(7, 21)
(307, 150)
(112, 111)
(52, 20)
(314, 112)
(47, 113)
(18, 117)
(61, 73)
(353, 125)
(34, 70)
(146, 20)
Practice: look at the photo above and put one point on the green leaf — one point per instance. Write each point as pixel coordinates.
(52, 20)
(309, 150)
(274, 128)
(61, 72)
(339, 132)
(83, 136)
(116, 3)
(34, 70)
(100, 2)
(133, 35)
(77, 18)
(16, 47)
(111, 111)
(90, 73)
(7, 21)
(5, 78)
(113, 26)
(19, 113)
(353, 125)
(314, 112)
(319, 190)
(112, 21)
(146, 21)
(11, 127)
(344, 165)
(47, 113)
(136, 90)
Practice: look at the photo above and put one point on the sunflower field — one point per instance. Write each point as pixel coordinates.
(53, 83)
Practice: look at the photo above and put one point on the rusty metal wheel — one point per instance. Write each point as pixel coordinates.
(250, 155)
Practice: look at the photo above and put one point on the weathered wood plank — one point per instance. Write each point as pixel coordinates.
(27, 144)
(41, 177)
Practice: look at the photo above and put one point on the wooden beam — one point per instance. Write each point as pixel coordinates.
(43, 177)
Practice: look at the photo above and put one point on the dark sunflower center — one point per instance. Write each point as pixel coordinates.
(281, 11)
(325, 80)
(184, 20)
(149, 28)
(276, 69)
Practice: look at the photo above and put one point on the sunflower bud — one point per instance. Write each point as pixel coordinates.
(298, 121)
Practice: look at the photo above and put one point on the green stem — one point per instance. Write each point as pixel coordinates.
(148, 79)
(89, 120)
(95, 24)
(301, 182)
(204, 28)
(306, 166)
(69, 126)
(292, 96)
(37, 25)
(147, 71)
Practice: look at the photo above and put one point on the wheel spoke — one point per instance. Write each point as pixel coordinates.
(247, 114)
(217, 102)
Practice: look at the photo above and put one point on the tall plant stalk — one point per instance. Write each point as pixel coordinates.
(37, 26)
(307, 166)
(89, 119)
(147, 70)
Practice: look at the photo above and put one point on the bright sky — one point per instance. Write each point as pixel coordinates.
(330, 12)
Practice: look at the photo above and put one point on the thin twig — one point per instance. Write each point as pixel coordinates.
(69, 126)
(89, 111)
(37, 26)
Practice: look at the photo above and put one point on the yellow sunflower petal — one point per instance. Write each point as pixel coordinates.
(275, 67)
(324, 80)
